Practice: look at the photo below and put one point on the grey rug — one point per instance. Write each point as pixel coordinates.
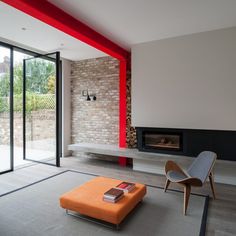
(19, 178)
(35, 211)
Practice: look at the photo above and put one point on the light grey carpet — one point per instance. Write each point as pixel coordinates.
(24, 176)
(35, 211)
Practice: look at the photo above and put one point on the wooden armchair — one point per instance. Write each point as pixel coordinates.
(196, 175)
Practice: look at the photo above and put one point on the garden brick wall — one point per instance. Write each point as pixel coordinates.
(40, 125)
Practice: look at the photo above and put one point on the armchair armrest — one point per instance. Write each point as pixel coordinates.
(172, 166)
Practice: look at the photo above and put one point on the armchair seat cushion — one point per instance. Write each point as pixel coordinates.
(175, 176)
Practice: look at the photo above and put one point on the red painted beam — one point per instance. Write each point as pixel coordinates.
(122, 120)
(54, 16)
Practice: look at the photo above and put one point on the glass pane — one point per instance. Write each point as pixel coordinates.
(18, 108)
(41, 110)
(5, 160)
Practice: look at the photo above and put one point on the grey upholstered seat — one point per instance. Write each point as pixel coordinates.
(195, 175)
(175, 176)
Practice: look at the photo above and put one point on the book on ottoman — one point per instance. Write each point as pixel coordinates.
(113, 195)
(126, 186)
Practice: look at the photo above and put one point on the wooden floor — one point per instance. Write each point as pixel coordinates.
(221, 214)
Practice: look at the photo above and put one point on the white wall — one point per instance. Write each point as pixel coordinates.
(66, 106)
(186, 82)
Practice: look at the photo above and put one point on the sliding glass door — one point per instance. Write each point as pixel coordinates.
(41, 109)
(6, 106)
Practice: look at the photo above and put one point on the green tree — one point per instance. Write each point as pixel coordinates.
(51, 84)
(4, 85)
(38, 72)
(18, 78)
(40, 79)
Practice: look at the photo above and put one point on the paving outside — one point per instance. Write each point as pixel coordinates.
(40, 150)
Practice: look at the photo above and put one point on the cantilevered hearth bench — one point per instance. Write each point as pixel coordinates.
(114, 150)
(142, 161)
(87, 201)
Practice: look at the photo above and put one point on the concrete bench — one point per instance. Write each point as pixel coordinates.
(114, 150)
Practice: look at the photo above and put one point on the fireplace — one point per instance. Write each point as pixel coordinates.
(187, 142)
(162, 140)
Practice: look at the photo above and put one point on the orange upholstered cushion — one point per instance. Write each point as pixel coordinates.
(88, 200)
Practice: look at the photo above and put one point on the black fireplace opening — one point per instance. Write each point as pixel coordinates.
(162, 140)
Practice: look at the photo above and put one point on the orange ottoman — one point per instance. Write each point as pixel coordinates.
(88, 200)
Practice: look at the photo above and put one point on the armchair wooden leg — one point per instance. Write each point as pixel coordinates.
(187, 191)
(167, 185)
(212, 185)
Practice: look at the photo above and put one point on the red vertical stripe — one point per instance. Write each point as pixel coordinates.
(122, 121)
(122, 140)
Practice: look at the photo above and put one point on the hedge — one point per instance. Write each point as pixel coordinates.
(34, 102)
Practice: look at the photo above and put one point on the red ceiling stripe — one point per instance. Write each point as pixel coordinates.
(52, 15)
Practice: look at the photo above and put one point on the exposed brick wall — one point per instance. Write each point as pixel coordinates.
(95, 121)
(98, 121)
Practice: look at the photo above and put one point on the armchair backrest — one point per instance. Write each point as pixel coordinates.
(202, 165)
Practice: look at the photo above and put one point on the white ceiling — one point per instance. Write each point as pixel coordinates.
(129, 22)
(40, 36)
(125, 22)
